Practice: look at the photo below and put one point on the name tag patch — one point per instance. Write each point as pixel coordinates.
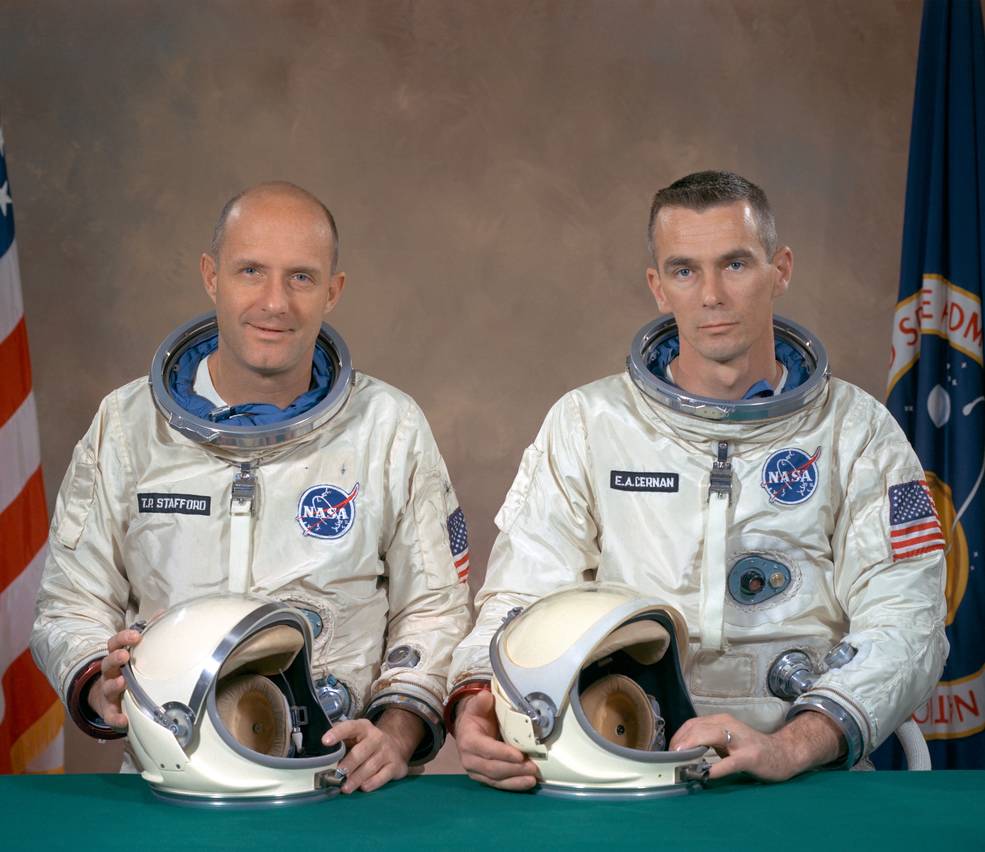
(642, 480)
(174, 504)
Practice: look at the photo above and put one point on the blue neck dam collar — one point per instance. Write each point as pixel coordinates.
(181, 382)
(798, 370)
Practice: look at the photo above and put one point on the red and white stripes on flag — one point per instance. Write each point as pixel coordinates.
(458, 538)
(31, 715)
(914, 528)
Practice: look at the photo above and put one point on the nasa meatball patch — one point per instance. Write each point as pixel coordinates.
(790, 476)
(327, 511)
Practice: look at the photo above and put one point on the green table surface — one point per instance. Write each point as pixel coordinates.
(830, 811)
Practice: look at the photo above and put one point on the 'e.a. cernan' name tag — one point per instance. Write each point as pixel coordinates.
(175, 504)
(641, 480)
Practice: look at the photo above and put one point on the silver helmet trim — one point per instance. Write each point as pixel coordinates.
(741, 410)
(222, 801)
(607, 794)
(204, 431)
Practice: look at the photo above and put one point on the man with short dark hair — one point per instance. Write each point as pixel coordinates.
(783, 513)
(255, 460)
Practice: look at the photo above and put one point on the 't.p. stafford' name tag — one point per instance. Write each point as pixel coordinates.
(175, 504)
(641, 480)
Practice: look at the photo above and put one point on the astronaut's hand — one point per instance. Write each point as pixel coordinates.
(106, 693)
(376, 753)
(809, 740)
(484, 755)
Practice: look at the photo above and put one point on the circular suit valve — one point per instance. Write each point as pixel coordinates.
(793, 673)
(314, 619)
(333, 696)
(403, 656)
(839, 655)
(754, 579)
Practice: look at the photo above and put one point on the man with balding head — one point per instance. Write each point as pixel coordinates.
(255, 460)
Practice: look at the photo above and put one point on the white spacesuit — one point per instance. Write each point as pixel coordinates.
(793, 522)
(343, 511)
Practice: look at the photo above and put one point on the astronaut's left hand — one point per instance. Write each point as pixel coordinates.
(808, 740)
(376, 753)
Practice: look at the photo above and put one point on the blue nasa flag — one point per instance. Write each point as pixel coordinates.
(936, 388)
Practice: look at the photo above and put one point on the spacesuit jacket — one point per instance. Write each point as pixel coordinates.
(351, 526)
(616, 487)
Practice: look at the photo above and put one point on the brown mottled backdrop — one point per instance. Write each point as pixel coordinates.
(490, 164)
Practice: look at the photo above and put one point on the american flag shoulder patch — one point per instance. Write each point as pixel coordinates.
(914, 526)
(458, 537)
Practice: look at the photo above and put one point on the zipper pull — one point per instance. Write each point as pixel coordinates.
(242, 508)
(711, 613)
(721, 474)
(244, 489)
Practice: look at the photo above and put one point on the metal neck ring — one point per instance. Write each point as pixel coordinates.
(204, 431)
(663, 328)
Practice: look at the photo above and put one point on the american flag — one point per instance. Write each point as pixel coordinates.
(458, 535)
(30, 713)
(914, 526)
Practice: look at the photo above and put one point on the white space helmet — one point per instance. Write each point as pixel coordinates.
(588, 683)
(222, 708)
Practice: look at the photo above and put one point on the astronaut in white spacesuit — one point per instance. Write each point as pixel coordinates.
(781, 511)
(256, 460)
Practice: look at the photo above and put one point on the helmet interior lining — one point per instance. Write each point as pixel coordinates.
(662, 679)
